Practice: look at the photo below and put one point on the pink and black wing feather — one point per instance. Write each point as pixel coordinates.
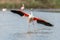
(40, 21)
(19, 12)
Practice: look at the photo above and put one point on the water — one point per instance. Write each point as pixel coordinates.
(14, 27)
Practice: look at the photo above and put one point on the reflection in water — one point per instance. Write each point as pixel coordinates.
(32, 35)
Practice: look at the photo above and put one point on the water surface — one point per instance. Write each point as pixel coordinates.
(14, 27)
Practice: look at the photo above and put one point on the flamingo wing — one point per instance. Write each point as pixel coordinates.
(19, 12)
(42, 22)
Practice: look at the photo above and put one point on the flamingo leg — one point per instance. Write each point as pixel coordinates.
(33, 26)
(28, 27)
(35, 29)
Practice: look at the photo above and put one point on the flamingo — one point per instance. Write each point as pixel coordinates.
(4, 9)
(32, 18)
(22, 7)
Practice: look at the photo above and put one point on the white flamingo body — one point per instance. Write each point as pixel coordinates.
(4, 9)
(22, 7)
(30, 18)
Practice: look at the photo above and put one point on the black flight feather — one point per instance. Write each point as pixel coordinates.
(44, 23)
(18, 12)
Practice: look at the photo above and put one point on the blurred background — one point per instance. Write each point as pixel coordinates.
(30, 3)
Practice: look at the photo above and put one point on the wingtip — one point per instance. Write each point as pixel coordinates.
(44, 23)
(12, 10)
(50, 25)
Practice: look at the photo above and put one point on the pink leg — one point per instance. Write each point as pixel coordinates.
(33, 26)
(28, 27)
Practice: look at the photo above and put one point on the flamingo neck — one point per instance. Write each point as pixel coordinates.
(31, 15)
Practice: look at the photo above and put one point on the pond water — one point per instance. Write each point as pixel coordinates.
(15, 27)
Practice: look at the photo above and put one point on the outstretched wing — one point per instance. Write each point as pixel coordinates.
(42, 22)
(19, 12)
